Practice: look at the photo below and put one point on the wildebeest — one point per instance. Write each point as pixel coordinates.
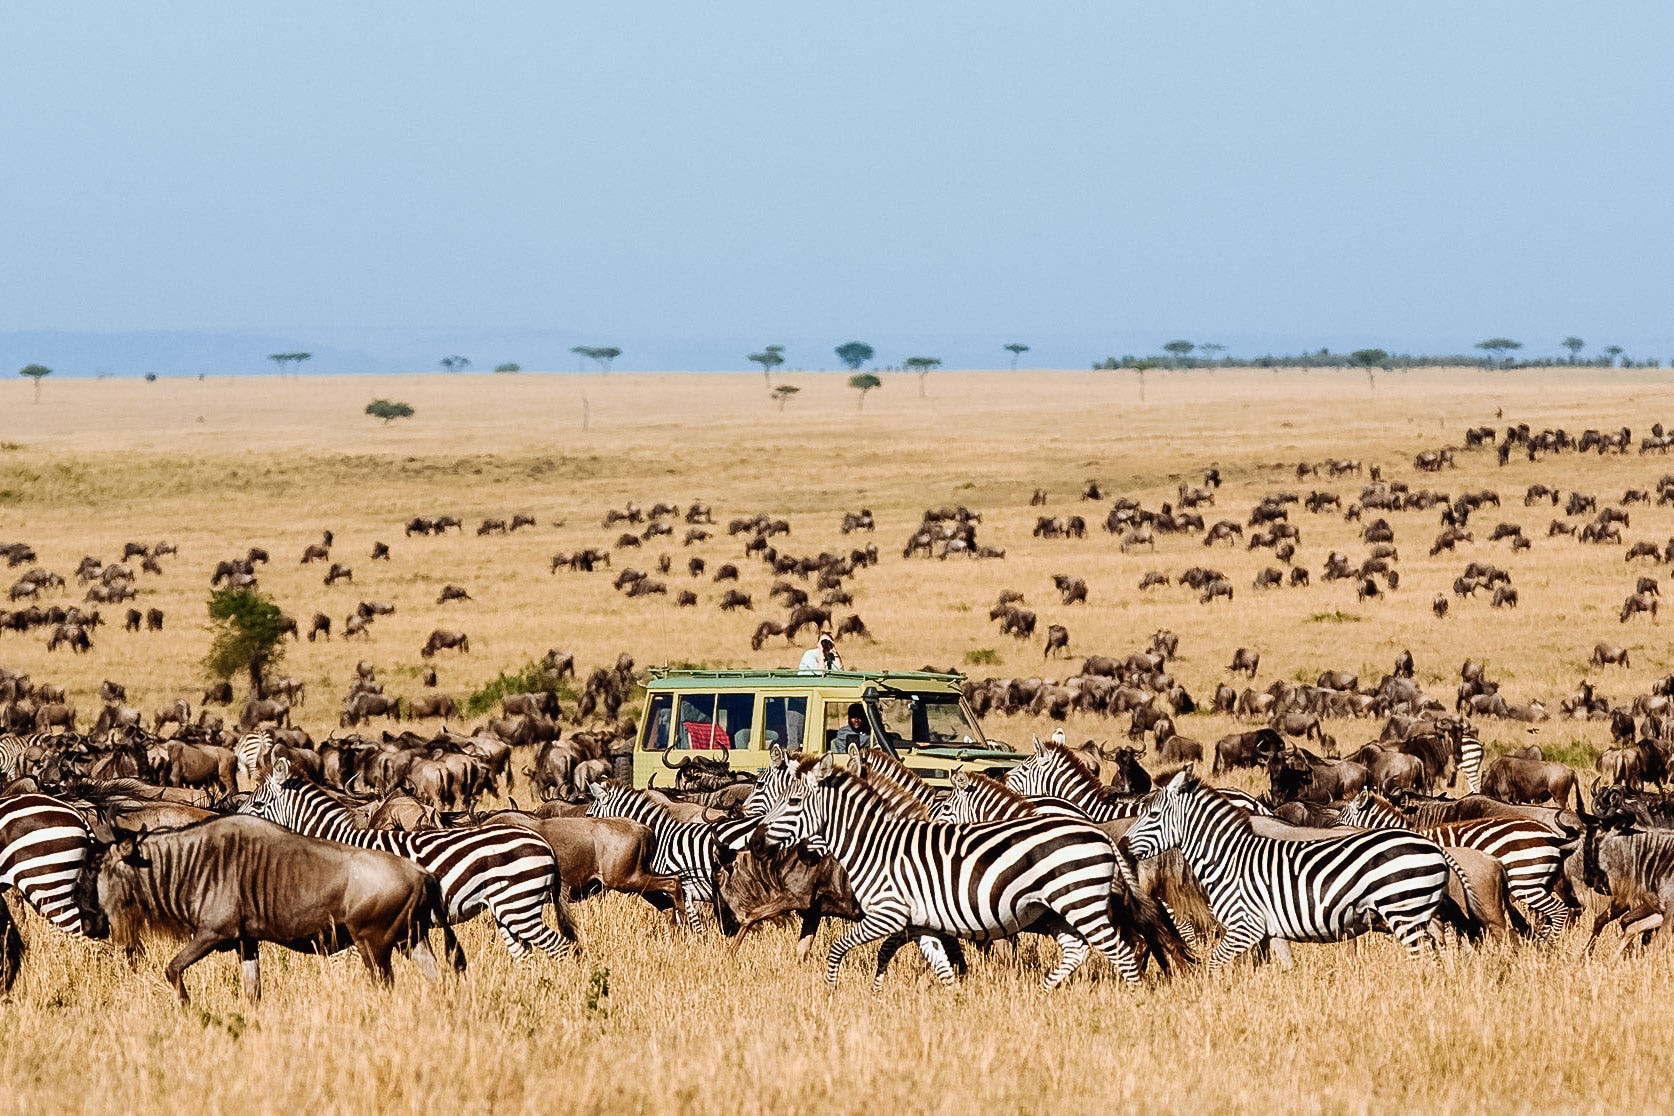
(444, 639)
(1516, 780)
(229, 883)
(1057, 639)
(1245, 660)
(1608, 654)
(1246, 749)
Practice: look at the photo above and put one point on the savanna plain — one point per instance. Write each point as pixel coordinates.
(651, 1019)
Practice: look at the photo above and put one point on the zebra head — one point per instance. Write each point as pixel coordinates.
(271, 800)
(771, 783)
(1029, 776)
(799, 815)
(959, 804)
(1163, 825)
(609, 802)
(1358, 812)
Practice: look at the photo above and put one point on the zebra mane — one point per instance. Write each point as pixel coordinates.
(1079, 771)
(891, 800)
(995, 790)
(891, 770)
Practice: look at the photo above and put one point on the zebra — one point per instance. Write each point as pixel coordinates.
(982, 882)
(14, 753)
(880, 769)
(980, 798)
(689, 850)
(1470, 762)
(1265, 889)
(1058, 780)
(43, 844)
(251, 750)
(1531, 853)
(505, 870)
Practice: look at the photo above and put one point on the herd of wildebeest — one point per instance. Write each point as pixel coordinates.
(122, 817)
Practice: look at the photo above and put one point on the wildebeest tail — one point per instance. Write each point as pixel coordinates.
(561, 907)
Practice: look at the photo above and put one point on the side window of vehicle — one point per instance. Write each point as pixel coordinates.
(782, 721)
(733, 713)
(658, 722)
(836, 716)
(696, 721)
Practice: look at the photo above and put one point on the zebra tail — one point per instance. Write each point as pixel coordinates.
(11, 949)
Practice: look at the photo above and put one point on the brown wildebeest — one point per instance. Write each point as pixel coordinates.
(320, 626)
(432, 705)
(1608, 654)
(603, 854)
(1245, 660)
(1057, 639)
(452, 593)
(1639, 602)
(734, 598)
(339, 572)
(228, 883)
(1517, 781)
(380, 552)
(1246, 749)
(445, 639)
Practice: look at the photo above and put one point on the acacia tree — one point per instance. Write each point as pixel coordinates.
(854, 354)
(389, 410)
(282, 359)
(922, 366)
(784, 393)
(248, 628)
(1574, 345)
(36, 372)
(455, 363)
(863, 383)
(1016, 349)
(1370, 359)
(769, 359)
(1211, 351)
(1178, 350)
(1610, 351)
(1498, 349)
(508, 367)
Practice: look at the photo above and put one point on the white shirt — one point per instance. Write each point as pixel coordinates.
(813, 660)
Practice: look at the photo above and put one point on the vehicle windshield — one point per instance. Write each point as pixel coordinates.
(933, 719)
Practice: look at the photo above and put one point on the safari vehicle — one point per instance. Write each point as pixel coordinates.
(740, 715)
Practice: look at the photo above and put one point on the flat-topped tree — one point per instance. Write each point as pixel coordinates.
(1016, 349)
(1370, 360)
(921, 365)
(1179, 350)
(36, 372)
(455, 363)
(1574, 345)
(389, 410)
(1498, 349)
(784, 393)
(863, 383)
(769, 359)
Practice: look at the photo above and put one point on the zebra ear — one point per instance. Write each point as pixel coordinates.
(1184, 778)
(597, 790)
(824, 769)
(776, 756)
(1035, 739)
(959, 778)
(281, 769)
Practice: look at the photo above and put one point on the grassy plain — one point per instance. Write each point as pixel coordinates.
(216, 466)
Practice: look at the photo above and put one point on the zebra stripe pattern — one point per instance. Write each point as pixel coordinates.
(14, 751)
(1470, 762)
(689, 850)
(1272, 890)
(43, 843)
(502, 869)
(982, 882)
(250, 751)
(1531, 853)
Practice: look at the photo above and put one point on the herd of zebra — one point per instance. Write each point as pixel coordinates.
(1141, 878)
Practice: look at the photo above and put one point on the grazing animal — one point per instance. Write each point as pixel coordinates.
(686, 850)
(506, 871)
(984, 882)
(1057, 639)
(43, 844)
(228, 883)
(1264, 890)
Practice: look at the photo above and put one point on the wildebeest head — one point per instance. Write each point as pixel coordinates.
(109, 843)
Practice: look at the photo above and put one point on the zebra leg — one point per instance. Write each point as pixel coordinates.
(1075, 952)
(1551, 909)
(881, 921)
(1281, 953)
(1411, 933)
(942, 954)
(886, 953)
(1235, 942)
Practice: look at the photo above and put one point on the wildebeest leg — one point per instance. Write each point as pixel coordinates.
(201, 946)
(250, 961)
(805, 936)
(1630, 929)
(1612, 910)
(11, 949)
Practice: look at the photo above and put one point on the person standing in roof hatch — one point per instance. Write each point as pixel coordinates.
(823, 656)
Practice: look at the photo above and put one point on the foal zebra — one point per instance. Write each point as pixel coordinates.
(982, 882)
(689, 850)
(1265, 889)
(1531, 853)
(502, 869)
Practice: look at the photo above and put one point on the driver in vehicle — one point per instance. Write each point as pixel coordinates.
(853, 736)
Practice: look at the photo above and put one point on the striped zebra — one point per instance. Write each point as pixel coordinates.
(251, 749)
(505, 870)
(880, 769)
(1470, 762)
(690, 850)
(1058, 781)
(981, 882)
(1531, 854)
(43, 844)
(14, 753)
(980, 798)
(1270, 890)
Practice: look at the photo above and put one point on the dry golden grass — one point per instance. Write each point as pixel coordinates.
(217, 466)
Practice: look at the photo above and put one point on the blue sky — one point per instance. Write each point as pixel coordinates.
(390, 182)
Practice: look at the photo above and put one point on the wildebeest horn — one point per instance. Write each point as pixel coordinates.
(672, 766)
(651, 783)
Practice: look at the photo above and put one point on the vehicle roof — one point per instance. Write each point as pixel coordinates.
(666, 679)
